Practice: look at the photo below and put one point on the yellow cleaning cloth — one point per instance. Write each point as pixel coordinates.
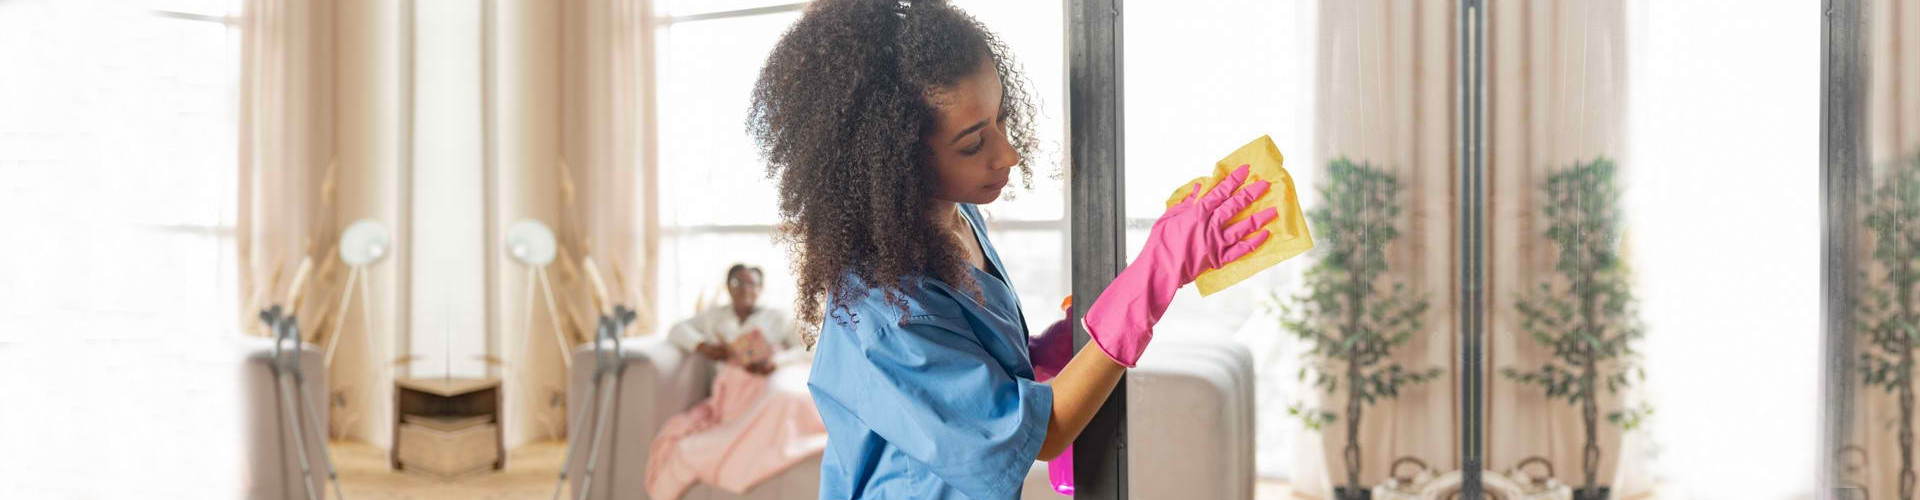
(1289, 228)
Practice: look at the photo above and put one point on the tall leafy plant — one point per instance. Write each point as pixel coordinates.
(1352, 324)
(1888, 315)
(1590, 322)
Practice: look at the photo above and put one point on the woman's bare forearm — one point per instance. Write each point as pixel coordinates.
(1082, 386)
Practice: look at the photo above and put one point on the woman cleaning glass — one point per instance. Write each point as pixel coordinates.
(886, 123)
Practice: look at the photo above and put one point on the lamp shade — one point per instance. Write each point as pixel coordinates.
(530, 242)
(365, 242)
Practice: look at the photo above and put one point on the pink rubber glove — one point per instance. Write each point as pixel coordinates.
(1189, 238)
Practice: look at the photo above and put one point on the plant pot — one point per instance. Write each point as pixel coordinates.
(1597, 493)
(1342, 493)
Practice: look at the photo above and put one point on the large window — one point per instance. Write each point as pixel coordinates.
(717, 206)
(1722, 271)
(1192, 97)
(118, 168)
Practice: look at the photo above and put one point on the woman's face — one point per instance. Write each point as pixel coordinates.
(972, 158)
(744, 287)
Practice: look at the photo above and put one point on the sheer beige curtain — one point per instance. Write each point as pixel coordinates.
(366, 178)
(526, 150)
(1556, 94)
(322, 143)
(285, 147)
(606, 88)
(1386, 96)
(1893, 123)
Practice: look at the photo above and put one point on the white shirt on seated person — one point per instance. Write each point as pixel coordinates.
(721, 325)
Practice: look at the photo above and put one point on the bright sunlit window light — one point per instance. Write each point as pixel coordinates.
(118, 180)
(1725, 232)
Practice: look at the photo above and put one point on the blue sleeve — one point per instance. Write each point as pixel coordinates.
(936, 394)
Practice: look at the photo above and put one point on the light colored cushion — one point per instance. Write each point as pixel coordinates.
(1189, 423)
(1190, 420)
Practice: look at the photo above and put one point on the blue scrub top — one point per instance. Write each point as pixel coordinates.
(940, 406)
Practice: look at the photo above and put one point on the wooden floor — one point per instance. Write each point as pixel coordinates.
(530, 474)
(1268, 489)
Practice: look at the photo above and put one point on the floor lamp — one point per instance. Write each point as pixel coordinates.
(363, 244)
(529, 242)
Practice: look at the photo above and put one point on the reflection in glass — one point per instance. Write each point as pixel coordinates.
(1888, 319)
(1353, 325)
(1649, 333)
(1367, 81)
(1202, 79)
(1585, 313)
(1560, 320)
(1878, 457)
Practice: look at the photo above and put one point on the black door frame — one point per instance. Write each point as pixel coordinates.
(1844, 70)
(1097, 226)
(1470, 164)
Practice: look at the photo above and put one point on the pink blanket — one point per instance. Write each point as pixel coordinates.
(749, 430)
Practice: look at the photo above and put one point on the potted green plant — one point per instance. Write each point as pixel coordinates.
(1887, 313)
(1352, 324)
(1590, 322)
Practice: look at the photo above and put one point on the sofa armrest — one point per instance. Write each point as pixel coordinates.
(1189, 423)
(273, 464)
(1190, 420)
(673, 380)
(659, 380)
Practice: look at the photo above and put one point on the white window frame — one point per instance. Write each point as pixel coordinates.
(224, 233)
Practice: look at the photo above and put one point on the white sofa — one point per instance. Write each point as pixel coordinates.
(1190, 421)
(274, 467)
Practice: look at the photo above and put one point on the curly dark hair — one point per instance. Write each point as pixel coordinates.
(840, 112)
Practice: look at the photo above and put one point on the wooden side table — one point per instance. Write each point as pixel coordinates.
(447, 426)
